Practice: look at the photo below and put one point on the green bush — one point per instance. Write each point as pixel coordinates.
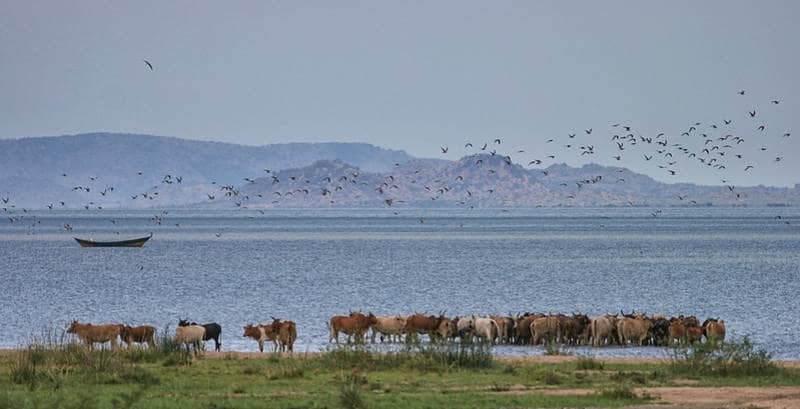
(588, 363)
(350, 391)
(730, 358)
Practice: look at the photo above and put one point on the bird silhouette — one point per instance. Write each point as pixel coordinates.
(150, 66)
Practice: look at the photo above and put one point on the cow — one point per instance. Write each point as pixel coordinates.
(633, 329)
(287, 333)
(522, 328)
(421, 324)
(694, 334)
(677, 331)
(602, 329)
(190, 335)
(485, 328)
(545, 327)
(257, 333)
(92, 334)
(574, 330)
(356, 324)
(213, 331)
(659, 333)
(388, 326)
(447, 329)
(465, 328)
(714, 329)
(505, 326)
(141, 334)
(690, 321)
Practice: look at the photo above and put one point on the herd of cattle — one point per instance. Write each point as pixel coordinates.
(526, 329)
(533, 329)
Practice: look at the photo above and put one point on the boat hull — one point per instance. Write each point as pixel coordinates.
(123, 243)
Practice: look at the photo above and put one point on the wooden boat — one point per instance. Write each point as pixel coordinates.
(123, 243)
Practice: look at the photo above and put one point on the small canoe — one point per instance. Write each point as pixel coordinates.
(123, 243)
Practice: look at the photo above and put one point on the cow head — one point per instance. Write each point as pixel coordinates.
(251, 331)
(183, 322)
(72, 327)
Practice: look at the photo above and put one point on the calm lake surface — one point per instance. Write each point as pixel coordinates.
(740, 264)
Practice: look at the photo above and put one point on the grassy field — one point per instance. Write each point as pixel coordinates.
(69, 376)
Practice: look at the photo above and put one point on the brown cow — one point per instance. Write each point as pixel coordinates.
(141, 334)
(714, 329)
(356, 324)
(694, 334)
(677, 331)
(522, 328)
(546, 327)
(421, 324)
(259, 334)
(286, 333)
(91, 334)
(574, 330)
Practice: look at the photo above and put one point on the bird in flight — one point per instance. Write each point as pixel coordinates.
(741, 92)
(150, 66)
(444, 149)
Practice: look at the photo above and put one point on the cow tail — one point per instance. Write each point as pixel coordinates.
(497, 328)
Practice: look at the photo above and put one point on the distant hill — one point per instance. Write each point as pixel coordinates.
(177, 173)
(31, 168)
(484, 181)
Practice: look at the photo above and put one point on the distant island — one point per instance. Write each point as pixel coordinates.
(108, 170)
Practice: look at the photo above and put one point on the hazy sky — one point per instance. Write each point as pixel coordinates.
(413, 75)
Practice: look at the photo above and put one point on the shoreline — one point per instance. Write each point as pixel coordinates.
(544, 359)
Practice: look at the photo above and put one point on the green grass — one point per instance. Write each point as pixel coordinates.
(66, 376)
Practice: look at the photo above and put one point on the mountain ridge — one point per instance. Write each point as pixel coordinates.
(119, 170)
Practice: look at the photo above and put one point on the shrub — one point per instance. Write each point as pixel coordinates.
(730, 358)
(350, 391)
(588, 363)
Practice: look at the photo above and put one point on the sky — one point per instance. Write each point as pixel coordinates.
(415, 75)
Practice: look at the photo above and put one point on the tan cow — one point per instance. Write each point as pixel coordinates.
(447, 329)
(356, 324)
(602, 330)
(545, 328)
(505, 326)
(486, 329)
(92, 334)
(191, 336)
(388, 326)
(141, 334)
(633, 329)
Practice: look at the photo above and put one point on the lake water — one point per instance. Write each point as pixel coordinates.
(740, 264)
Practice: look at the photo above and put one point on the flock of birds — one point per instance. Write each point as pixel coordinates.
(713, 145)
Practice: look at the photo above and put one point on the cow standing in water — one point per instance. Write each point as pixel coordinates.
(213, 331)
